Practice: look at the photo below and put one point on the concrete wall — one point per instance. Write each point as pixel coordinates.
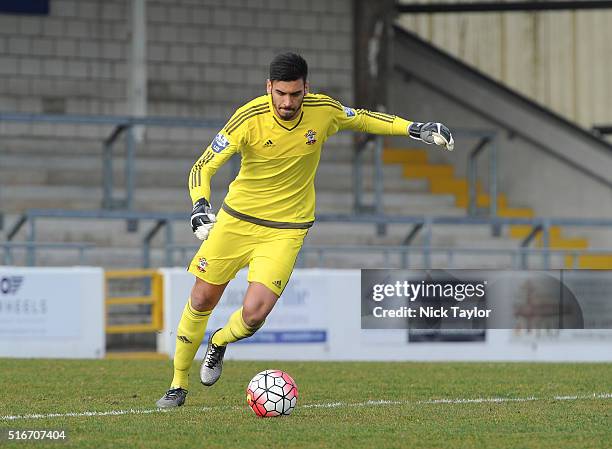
(559, 59)
(205, 57)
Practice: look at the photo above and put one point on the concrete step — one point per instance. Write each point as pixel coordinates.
(114, 233)
(365, 234)
(102, 233)
(88, 139)
(337, 148)
(339, 176)
(393, 203)
(109, 258)
(18, 198)
(117, 258)
(109, 233)
(369, 259)
(31, 169)
(120, 249)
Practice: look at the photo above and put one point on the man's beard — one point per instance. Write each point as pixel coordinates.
(288, 114)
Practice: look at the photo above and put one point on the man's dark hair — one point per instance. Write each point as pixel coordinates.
(288, 67)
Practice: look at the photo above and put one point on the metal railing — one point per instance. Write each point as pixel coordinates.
(125, 125)
(8, 249)
(132, 219)
(424, 224)
(374, 143)
(420, 225)
(122, 125)
(372, 214)
(487, 141)
(520, 256)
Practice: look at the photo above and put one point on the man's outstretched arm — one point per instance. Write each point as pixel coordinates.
(390, 125)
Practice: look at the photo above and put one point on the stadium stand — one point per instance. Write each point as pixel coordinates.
(47, 166)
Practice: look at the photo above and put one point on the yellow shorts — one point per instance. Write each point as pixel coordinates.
(233, 244)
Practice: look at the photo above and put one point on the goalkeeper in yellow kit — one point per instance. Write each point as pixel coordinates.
(269, 208)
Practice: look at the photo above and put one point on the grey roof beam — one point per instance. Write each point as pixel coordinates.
(479, 7)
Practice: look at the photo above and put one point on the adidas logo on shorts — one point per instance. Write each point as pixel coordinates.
(278, 283)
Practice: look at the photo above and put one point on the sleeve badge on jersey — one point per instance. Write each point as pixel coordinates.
(219, 143)
(349, 112)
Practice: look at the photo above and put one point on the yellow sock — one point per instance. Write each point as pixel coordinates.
(189, 336)
(235, 329)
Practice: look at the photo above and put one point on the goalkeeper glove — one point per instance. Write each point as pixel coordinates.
(431, 132)
(202, 218)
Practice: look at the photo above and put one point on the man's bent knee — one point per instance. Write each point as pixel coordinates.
(205, 296)
(258, 304)
(254, 318)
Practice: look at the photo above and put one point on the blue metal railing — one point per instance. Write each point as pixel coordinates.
(359, 206)
(122, 125)
(120, 209)
(520, 256)
(10, 247)
(487, 140)
(132, 218)
(421, 224)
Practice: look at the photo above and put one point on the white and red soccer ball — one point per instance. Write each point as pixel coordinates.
(272, 393)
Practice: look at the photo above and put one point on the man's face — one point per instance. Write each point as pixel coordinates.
(287, 97)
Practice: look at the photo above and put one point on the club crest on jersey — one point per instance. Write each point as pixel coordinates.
(202, 264)
(311, 137)
(349, 112)
(219, 143)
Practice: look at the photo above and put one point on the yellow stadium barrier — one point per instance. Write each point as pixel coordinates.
(155, 298)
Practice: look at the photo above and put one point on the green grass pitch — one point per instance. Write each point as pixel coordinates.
(556, 406)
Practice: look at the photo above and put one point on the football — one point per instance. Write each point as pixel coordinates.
(272, 393)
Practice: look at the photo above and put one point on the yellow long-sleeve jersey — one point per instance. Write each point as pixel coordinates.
(275, 185)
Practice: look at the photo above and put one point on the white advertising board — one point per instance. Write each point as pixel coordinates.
(52, 312)
(299, 326)
(319, 318)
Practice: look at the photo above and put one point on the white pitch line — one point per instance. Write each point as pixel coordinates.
(370, 403)
(480, 400)
(355, 404)
(594, 396)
